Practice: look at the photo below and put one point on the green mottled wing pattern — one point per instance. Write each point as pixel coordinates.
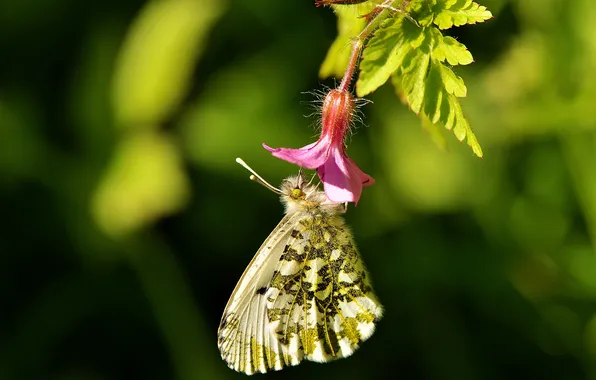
(317, 303)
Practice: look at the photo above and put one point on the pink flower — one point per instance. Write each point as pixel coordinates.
(341, 178)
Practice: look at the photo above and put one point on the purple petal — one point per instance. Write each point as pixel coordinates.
(342, 179)
(311, 156)
(365, 179)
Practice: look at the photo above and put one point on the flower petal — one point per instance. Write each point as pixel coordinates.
(310, 157)
(342, 179)
(365, 179)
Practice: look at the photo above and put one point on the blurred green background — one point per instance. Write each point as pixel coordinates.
(126, 222)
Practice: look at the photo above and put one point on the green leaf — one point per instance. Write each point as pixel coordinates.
(414, 77)
(417, 57)
(396, 37)
(459, 12)
(385, 53)
(416, 61)
(416, 54)
(454, 52)
(440, 103)
(453, 84)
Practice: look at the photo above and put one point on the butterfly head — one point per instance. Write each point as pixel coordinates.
(298, 194)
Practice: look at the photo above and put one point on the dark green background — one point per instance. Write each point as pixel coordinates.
(486, 267)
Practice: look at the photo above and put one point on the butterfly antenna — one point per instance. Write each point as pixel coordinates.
(257, 178)
(312, 179)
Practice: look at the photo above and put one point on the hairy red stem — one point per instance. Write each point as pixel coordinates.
(374, 21)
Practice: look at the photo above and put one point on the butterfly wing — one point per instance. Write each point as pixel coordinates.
(244, 336)
(320, 301)
(305, 295)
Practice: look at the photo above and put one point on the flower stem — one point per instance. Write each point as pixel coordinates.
(352, 63)
(377, 16)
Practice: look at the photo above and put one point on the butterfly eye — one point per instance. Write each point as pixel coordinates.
(297, 194)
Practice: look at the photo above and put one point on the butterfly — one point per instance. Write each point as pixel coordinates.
(305, 295)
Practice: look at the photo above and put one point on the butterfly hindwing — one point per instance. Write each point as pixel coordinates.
(320, 302)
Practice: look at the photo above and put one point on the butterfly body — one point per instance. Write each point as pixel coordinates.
(306, 293)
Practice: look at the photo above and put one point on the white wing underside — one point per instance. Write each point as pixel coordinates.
(245, 314)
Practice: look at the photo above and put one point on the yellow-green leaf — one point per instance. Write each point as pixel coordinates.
(453, 84)
(417, 55)
(153, 71)
(432, 88)
(144, 181)
(454, 52)
(385, 53)
(459, 12)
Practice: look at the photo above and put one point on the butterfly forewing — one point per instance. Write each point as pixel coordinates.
(305, 295)
(244, 327)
